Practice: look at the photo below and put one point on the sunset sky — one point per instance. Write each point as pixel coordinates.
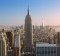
(13, 12)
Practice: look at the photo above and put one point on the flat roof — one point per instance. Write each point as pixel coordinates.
(46, 45)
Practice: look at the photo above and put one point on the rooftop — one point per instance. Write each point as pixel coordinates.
(46, 45)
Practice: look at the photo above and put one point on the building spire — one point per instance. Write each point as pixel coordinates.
(28, 7)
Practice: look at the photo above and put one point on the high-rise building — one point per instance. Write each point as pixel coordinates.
(58, 38)
(47, 50)
(28, 33)
(3, 46)
(16, 43)
(58, 43)
(10, 36)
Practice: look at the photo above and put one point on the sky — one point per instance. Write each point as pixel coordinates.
(13, 12)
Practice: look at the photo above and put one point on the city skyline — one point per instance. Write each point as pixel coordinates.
(13, 12)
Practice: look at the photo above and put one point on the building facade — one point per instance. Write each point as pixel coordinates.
(58, 38)
(16, 43)
(46, 50)
(10, 37)
(3, 46)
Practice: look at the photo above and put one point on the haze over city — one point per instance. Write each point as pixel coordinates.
(29, 28)
(13, 12)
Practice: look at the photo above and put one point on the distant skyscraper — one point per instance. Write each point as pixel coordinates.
(42, 23)
(28, 33)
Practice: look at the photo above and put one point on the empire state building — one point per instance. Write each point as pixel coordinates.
(28, 33)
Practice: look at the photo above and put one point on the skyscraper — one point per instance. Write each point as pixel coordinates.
(3, 46)
(28, 33)
(10, 36)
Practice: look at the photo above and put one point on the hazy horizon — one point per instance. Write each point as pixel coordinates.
(13, 12)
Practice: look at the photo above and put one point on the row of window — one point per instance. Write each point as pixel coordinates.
(46, 51)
